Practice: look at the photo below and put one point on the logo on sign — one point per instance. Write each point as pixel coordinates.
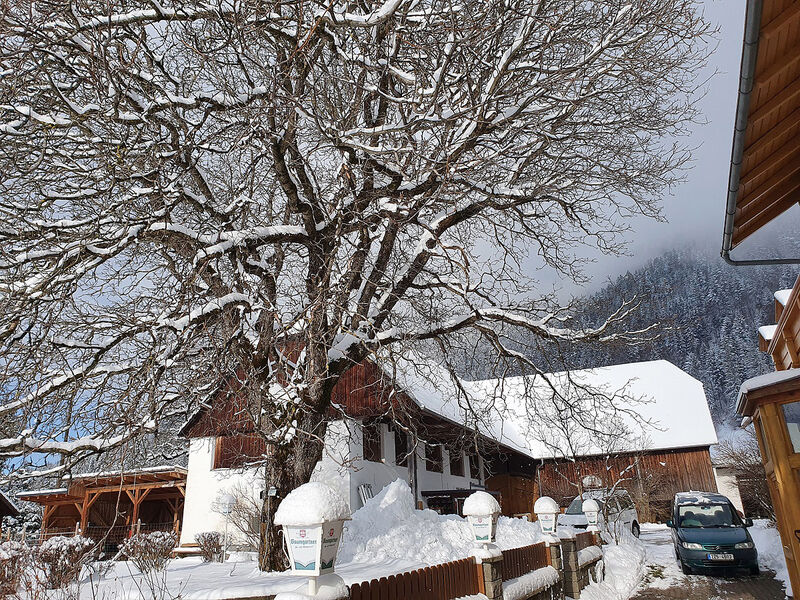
(302, 533)
(330, 533)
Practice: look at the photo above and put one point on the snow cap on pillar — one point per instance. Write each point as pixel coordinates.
(310, 504)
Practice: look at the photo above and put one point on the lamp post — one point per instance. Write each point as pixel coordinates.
(312, 517)
(591, 509)
(226, 504)
(546, 510)
(482, 510)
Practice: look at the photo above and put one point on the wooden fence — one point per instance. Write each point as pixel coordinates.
(519, 561)
(441, 582)
(584, 540)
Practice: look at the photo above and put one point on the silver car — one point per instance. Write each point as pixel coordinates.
(617, 506)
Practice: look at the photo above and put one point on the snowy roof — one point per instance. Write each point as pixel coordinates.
(763, 381)
(782, 296)
(51, 492)
(128, 472)
(529, 413)
(767, 332)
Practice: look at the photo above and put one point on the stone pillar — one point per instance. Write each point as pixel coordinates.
(554, 548)
(556, 592)
(570, 572)
(492, 571)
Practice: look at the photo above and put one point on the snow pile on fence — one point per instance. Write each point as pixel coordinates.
(530, 583)
(770, 550)
(624, 570)
(389, 527)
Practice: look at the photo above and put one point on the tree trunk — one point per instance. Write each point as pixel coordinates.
(289, 467)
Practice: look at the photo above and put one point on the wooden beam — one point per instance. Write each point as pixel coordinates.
(783, 19)
(777, 67)
(781, 128)
(747, 227)
(783, 153)
(779, 101)
(790, 347)
(771, 187)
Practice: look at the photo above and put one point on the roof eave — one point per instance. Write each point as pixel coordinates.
(752, 26)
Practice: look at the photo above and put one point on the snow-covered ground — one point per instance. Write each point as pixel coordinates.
(385, 537)
(770, 550)
(624, 565)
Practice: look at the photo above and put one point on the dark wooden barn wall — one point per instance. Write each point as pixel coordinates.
(658, 475)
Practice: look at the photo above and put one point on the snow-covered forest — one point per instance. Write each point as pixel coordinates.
(708, 313)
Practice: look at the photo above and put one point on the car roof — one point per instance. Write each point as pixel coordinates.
(700, 498)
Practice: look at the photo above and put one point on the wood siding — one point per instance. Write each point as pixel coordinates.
(652, 477)
(517, 494)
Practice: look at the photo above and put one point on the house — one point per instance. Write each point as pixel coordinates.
(763, 184)
(523, 450)
(366, 451)
(645, 426)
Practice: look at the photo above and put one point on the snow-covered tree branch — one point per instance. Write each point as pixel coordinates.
(279, 190)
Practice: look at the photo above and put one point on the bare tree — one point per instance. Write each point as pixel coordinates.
(267, 193)
(743, 456)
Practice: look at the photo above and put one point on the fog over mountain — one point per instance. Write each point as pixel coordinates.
(708, 313)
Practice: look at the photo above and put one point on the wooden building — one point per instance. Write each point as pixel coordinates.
(652, 477)
(112, 506)
(764, 182)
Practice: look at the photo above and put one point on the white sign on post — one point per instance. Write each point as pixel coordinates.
(313, 548)
(304, 548)
(483, 528)
(547, 521)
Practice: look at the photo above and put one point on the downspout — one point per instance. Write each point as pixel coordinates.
(752, 26)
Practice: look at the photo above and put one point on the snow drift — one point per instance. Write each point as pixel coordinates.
(389, 527)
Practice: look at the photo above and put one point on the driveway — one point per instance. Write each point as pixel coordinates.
(665, 581)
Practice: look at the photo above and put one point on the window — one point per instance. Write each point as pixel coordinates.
(791, 414)
(456, 463)
(373, 450)
(400, 448)
(237, 451)
(433, 458)
(474, 467)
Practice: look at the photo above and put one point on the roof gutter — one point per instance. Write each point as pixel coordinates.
(752, 26)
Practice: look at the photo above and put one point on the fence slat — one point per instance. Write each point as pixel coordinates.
(519, 561)
(441, 582)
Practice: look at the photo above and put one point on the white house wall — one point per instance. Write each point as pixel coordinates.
(205, 485)
(728, 485)
(342, 467)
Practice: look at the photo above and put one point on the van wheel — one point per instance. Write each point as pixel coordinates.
(754, 570)
(635, 529)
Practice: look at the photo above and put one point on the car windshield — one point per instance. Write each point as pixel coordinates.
(576, 506)
(707, 515)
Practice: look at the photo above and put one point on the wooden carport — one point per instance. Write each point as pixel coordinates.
(113, 506)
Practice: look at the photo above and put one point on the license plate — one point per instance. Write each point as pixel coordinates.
(720, 556)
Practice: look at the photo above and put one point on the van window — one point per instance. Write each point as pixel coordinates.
(707, 516)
